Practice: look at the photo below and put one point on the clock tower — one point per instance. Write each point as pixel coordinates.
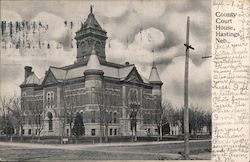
(91, 35)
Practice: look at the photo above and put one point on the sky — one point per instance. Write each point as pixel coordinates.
(134, 29)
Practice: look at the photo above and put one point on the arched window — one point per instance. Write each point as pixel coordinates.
(115, 117)
(110, 117)
(92, 116)
(39, 119)
(52, 98)
(133, 96)
(50, 116)
(48, 98)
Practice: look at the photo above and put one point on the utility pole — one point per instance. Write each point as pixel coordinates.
(186, 109)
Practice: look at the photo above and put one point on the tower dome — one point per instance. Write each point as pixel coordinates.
(93, 62)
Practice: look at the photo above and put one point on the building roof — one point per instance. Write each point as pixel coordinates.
(154, 75)
(110, 70)
(91, 21)
(122, 72)
(58, 73)
(31, 80)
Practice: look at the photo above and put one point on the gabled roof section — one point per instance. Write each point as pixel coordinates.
(41, 80)
(145, 80)
(49, 78)
(58, 73)
(134, 76)
(32, 79)
(124, 71)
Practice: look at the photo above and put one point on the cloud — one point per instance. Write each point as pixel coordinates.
(7, 15)
(12, 62)
(56, 30)
(199, 81)
(134, 29)
(141, 47)
(149, 9)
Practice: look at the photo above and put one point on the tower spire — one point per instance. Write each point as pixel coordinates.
(154, 75)
(91, 8)
(92, 28)
(153, 58)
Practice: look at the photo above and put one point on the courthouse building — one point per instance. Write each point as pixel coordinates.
(106, 94)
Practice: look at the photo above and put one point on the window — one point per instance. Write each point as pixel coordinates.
(36, 131)
(110, 132)
(92, 116)
(82, 116)
(50, 98)
(68, 118)
(67, 132)
(23, 131)
(29, 120)
(148, 119)
(115, 117)
(23, 120)
(145, 119)
(50, 116)
(29, 132)
(110, 117)
(115, 132)
(148, 130)
(78, 100)
(92, 132)
(39, 119)
(133, 96)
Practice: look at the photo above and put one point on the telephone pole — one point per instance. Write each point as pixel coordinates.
(186, 109)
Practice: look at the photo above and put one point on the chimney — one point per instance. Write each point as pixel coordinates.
(28, 71)
(126, 63)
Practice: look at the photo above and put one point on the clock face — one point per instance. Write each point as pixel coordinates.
(84, 47)
(98, 48)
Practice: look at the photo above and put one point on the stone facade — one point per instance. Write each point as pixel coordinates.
(107, 95)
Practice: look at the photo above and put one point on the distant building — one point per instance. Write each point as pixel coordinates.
(102, 92)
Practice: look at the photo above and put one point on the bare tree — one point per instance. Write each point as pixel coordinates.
(37, 116)
(134, 105)
(67, 114)
(5, 104)
(168, 114)
(63, 114)
(208, 122)
(18, 114)
(104, 103)
(158, 117)
(102, 110)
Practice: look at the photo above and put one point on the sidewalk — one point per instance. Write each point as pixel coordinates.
(82, 146)
(158, 150)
